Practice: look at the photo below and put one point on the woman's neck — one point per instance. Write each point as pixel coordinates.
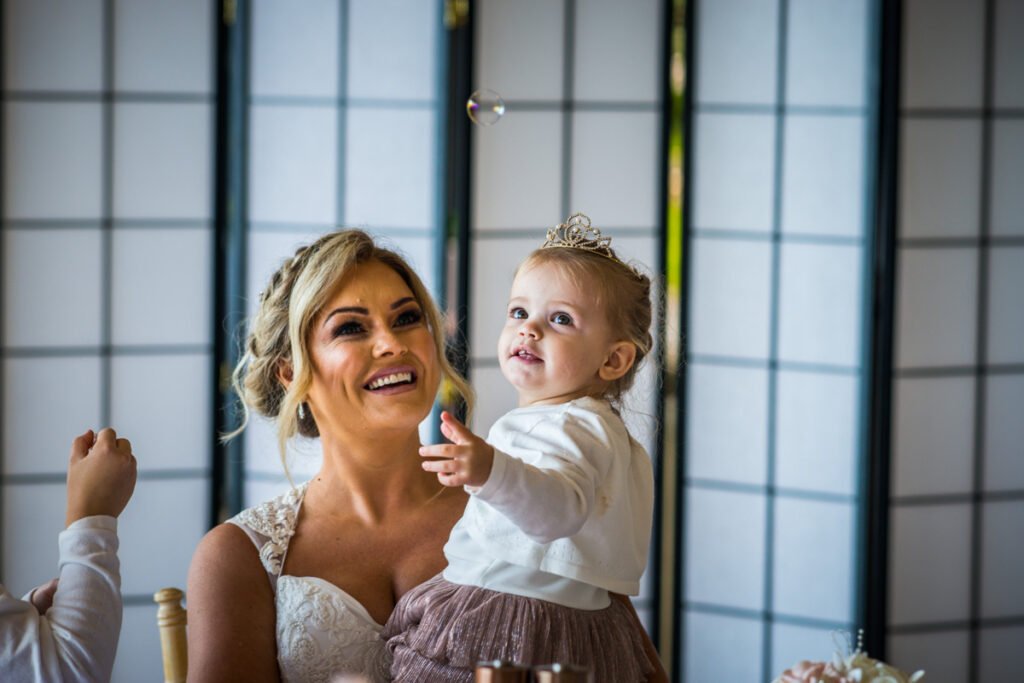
(371, 479)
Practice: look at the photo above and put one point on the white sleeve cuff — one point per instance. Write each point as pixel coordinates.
(499, 466)
(98, 522)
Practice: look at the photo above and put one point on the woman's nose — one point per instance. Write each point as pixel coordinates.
(387, 343)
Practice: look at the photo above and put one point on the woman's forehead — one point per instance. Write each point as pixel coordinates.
(371, 282)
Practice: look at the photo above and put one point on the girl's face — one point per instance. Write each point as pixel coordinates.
(373, 357)
(556, 338)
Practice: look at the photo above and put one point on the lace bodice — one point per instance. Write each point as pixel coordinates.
(322, 631)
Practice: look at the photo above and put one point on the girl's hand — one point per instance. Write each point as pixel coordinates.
(466, 461)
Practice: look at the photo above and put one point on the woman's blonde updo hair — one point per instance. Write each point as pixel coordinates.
(278, 335)
(621, 292)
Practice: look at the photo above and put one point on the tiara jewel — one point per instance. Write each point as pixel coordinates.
(577, 233)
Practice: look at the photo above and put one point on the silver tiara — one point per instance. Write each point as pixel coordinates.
(577, 233)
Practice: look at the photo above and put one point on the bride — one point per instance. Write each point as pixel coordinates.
(346, 344)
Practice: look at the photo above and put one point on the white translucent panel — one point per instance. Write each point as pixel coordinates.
(53, 45)
(519, 48)
(163, 161)
(999, 658)
(494, 262)
(826, 52)
(725, 548)
(1004, 433)
(303, 455)
(933, 435)
(52, 165)
(943, 655)
(51, 287)
(940, 168)
(494, 397)
(936, 307)
(618, 50)
(734, 159)
(727, 423)
(47, 403)
(33, 516)
(737, 51)
(420, 252)
(393, 49)
(517, 176)
(820, 317)
(729, 298)
(792, 644)
(1002, 562)
(162, 290)
(943, 53)
(616, 168)
(1005, 312)
(293, 164)
(720, 648)
(823, 181)
(159, 531)
(391, 176)
(294, 50)
(822, 588)
(164, 46)
(267, 252)
(816, 432)
(138, 649)
(929, 563)
(146, 391)
(1008, 74)
(1006, 201)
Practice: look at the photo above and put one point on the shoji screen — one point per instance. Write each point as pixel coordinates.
(956, 602)
(581, 132)
(107, 170)
(777, 292)
(345, 129)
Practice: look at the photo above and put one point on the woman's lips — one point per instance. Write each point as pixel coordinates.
(392, 380)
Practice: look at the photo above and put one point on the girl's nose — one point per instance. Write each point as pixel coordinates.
(529, 329)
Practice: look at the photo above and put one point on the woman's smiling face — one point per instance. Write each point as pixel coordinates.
(374, 362)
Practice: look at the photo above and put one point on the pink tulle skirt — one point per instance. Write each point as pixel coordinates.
(440, 630)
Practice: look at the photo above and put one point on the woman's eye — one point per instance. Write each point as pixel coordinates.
(561, 319)
(410, 317)
(517, 314)
(348, 328)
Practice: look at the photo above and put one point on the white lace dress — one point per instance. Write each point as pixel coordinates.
(322, 631)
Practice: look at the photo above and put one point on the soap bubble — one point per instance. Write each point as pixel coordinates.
(485, 107)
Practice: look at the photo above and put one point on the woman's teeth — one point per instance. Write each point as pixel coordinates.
(386, 380)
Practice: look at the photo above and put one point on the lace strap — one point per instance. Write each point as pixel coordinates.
(271, 526)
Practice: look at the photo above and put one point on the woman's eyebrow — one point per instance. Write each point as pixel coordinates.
(401, 302)
(346, 309)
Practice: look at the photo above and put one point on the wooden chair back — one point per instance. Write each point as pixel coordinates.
(172, 619)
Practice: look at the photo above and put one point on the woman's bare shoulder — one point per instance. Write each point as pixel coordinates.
(230, 610)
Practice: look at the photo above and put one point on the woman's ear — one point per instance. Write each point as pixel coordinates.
(284, 373)
(619, 360)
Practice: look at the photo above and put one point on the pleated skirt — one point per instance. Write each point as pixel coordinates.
(439, 631)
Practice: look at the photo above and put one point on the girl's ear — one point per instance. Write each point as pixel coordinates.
(284, 373)
(620, 358)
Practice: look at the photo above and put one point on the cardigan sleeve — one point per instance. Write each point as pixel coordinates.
(548, 488)
(76, 639)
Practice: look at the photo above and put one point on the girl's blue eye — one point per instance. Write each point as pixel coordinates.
(561, 319)
(517, 314)
(409, 317)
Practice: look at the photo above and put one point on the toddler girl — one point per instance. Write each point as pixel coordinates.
(561, 495)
